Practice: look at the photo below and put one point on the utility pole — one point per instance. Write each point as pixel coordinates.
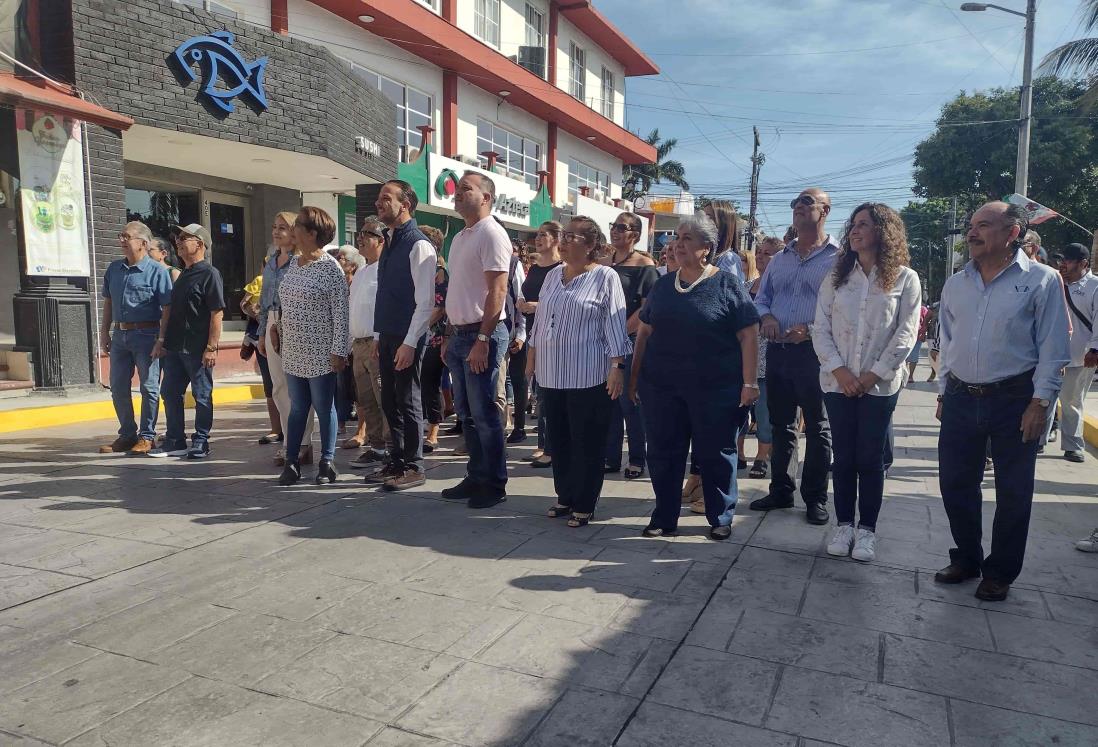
(757, 160)
(1021, 176)
(950, 240)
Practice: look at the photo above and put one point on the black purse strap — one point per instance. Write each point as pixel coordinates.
(1086, 322)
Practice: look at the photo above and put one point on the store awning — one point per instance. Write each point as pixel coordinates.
(45, 96)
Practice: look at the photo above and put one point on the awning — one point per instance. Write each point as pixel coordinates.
(45, 96)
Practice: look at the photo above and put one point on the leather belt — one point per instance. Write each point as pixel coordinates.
(125, 326)
(474, 327)
(982, 390)
(362, 339)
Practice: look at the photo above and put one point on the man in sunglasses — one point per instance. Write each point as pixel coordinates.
(786, 302)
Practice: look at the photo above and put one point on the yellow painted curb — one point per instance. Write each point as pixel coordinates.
(1090, 430)
(30, 418)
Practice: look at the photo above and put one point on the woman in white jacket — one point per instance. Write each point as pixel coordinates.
(867, 320)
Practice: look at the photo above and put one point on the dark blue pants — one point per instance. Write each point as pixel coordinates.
(626, 419)
(859, 440)
(475, 402)
(792, 381)
(402, 402)
(132, 349)
(968, 424)
(180, 371)
(317, 393)
(577, 419)
(673, 417)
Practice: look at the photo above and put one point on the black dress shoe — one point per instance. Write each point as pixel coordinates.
(992, 590)
(291, 473)
(326, 473)
(462, 491)
(453, 430)
(816, 513)
(769, 503)
(955, 574)
(485, 497)
(517, 436)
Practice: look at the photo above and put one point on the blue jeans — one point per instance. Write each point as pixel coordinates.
(969, 424)
(475, 402)
(133, 349)
(627, 420)
(180, 371)
(318, 393)
(763, 432)
(859, 439)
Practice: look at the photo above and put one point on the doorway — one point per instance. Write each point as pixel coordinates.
(227, 219)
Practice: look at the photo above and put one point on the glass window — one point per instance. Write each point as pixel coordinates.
(486, 21)
(161, 210)
(520, 155)
(607, 107)
(578, 82)
(582, 175)
(214, 6)
(532, 55)
(413, 108)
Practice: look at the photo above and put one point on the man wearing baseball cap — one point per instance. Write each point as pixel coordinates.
(1081, 292)
(189, 345)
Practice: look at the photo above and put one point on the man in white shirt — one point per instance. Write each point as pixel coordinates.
(1081, 291)
(373, 431)
(480, 256)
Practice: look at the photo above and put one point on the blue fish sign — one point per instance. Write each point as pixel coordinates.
(220, 61)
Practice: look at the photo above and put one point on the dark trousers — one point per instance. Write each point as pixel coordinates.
(578, 419)
(626, 420)
(859, 437)
(402, 403)
(180, 371)
(674, 416)
(968, 424)
(516, 372)
(792, 381)
(432, 384)
(344, 394)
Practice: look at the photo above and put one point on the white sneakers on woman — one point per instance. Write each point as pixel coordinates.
(860, 544)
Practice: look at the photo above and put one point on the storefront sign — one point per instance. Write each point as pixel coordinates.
(364, 146)
(219, 60)
(604, 215)
(51, 175)
(513, 197)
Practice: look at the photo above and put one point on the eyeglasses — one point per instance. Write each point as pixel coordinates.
(127, 237)
(807, 200)
(570, 236)
(623, 227)
(185, 237)
(375, 234)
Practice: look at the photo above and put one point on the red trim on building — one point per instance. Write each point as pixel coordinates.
(554, 35)
(280, 16)
(449, 113)
(597, 27)
(46, 97)
(449, 11)
(414, 28)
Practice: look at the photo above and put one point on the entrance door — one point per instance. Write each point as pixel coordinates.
(227, 221)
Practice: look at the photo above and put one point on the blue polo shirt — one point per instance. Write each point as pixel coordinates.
(137, 292)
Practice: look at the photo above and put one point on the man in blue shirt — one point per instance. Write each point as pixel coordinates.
(137, 296)
(786, 302)
(1004, 345)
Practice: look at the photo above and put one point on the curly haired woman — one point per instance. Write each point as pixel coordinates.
(867, 319)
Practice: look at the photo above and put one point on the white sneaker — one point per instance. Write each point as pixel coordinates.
(865, 545)
(841, 542)
(1090, 544)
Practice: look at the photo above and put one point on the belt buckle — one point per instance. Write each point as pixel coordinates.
(975, 390)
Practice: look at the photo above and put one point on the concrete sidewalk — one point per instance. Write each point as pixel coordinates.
(149, 602)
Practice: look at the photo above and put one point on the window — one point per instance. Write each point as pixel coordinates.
(607, 105)
(532, 55)
(582, 175)
(486, 21)
(414, 108)
(577, 80)
(212, 6)
(519, 155)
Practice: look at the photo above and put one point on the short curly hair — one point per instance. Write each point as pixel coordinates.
(892, 251)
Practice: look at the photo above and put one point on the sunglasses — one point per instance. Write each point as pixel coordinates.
(570, 236)
(807, 200)
(623, 227)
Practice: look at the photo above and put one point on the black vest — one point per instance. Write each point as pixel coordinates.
(396, 293)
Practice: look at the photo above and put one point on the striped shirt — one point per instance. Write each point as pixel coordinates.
(578, 328)
(790, 286)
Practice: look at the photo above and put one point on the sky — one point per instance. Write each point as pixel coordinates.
(841, 90)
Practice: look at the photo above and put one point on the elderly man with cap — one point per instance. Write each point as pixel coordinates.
(189, 345)
(1081, 291)
(137, 296)
(1004, 343)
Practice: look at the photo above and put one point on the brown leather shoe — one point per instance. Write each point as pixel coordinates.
(118, 446)
(410, 478)
(955, 574)
(992, 590)
(142, 447)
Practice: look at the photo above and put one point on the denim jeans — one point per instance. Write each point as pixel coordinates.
(318, 393)
(626, 420)
(475, 402)
(180, 371)
(133, 349)
(969, 423)
(763, 431)
(859, 440)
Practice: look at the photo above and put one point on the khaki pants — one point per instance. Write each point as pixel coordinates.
(364, 364)
(279, 393)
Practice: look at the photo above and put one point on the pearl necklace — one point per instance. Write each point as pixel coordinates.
(707, 272)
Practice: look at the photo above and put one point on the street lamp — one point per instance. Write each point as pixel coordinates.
(1025, 123)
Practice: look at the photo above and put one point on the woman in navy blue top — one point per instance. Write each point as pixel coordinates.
(695, 365)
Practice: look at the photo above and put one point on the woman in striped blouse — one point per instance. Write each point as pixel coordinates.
(577, 349)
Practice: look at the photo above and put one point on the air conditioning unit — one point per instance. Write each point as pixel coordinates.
(533, 59)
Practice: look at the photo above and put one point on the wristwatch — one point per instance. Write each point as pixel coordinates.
(211, 348)
(751, 386)
(1042, 402)
(481, 337)
(620, 364)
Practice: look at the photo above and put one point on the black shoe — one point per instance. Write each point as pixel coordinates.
(955, 574)
(1040, 449)
(454, 429)
(741, 464)
(379, 476)
(608, 469)
(291, 473)
(992, 590)
(720, 533)
(486, 497)
(199, 451)
(657, 532)
(272, 438)
(816, 513)
(428, 447)
(368, 458)
(326, 473)
(462, 491)
(769, 503)
(517, 436)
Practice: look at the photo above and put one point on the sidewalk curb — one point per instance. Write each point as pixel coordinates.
(1090, 430)
(30, 418)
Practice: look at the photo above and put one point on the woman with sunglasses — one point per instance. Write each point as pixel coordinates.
(637, 272)
(546, 258)
(695, 366)
(577, 351)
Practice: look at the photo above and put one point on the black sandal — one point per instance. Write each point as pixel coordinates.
(580, 520)
(632, 473)
(758, 469)
(558, 511)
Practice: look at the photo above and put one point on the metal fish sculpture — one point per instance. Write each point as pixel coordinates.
(220, 61)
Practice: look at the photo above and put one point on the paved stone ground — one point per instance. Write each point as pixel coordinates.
(150, 603)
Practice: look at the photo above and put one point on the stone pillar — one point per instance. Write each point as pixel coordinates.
(54, 322)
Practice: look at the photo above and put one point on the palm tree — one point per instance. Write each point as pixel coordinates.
(638, 180)
(1080, 55)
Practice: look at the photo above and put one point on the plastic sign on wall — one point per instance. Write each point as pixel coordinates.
(513, 197)
(51, 170)
(604, 215)
(219, 61)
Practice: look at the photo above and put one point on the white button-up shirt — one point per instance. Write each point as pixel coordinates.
(864, 327)
(363, 297)
(1084, 294)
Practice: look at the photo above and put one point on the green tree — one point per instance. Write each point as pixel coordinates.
(926, 223)
(637, 180)
(1079, 56)
(976, 162)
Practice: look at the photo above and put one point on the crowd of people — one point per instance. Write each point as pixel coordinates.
(672, 363)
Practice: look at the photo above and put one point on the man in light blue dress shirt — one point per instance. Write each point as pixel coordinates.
(1004, 345)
